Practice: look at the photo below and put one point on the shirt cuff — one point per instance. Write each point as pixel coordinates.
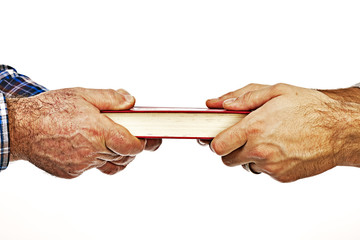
(13, 84)
(4, 134)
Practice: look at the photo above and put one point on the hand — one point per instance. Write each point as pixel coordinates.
(63, 132)
(293, 132)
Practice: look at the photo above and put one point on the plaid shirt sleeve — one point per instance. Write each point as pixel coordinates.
(4, 134)
(12, 84)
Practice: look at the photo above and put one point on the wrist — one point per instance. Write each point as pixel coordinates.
(19, 126)
(347, 94)
(347, 135)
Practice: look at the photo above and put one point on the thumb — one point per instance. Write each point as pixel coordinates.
(255, 99)
(108, 99)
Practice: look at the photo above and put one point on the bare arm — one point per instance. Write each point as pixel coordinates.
(345, 94)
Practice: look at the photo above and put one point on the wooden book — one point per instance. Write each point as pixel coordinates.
(193, 123)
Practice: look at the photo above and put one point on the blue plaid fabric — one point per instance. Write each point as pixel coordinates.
(4, 134)
(13, 85)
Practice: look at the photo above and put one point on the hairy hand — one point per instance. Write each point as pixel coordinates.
(292, 133)
(63, 132)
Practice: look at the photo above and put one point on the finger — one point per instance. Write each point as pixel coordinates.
(230, 139)
(254, 99)
(113, 158)
(111, 169)
(241, 157)
(203, 142)
(152, 144)
(254, 168)
(250, 167)
(119, 140)
(108, 99)
(125, 160)
(236, 158)
(119, 160)
(218, 102)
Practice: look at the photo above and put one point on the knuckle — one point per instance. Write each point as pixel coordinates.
(255, 128)
(246, 97)
(121, 140)
(122, 143)
(279, 87)
(252, 85)
(67, 91)
(261, 152)
(236, 137)
(253, 131)
(111, 93)
(130, 146)
(75, 90)
(227, 95)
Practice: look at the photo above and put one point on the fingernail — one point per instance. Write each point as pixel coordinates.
(210, 146)
(128, 97)
(229, 101)
(201, 142)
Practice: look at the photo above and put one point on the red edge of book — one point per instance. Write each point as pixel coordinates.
(174, 110)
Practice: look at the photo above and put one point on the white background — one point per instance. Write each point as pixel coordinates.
(179, 53)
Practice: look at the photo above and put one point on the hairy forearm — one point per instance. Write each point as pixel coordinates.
(30, 118)
(346, 137)
(21, 113)
(346, 94)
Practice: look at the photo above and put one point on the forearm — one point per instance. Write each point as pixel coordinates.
(346, 136)
(12, 85)
(346, 94)
(31, 118)
(17, 125)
